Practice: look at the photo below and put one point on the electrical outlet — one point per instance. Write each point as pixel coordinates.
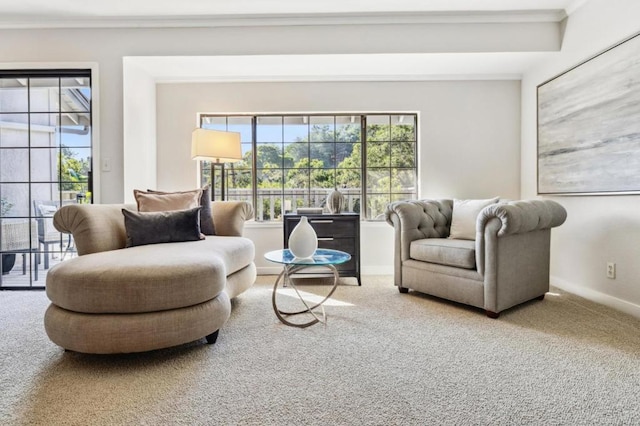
(611, 270)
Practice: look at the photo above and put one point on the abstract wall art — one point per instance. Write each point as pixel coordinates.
(589, 125)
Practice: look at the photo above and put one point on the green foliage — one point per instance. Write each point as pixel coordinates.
(73, 172)
(5, 206)
(392, 150)
(305, 172)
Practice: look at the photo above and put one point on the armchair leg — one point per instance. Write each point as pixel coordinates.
(541, 297)
(403, 289)
(492, 315)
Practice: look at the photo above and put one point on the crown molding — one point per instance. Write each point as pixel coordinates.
(377, 18)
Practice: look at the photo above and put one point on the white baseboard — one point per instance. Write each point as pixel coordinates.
(598, 297)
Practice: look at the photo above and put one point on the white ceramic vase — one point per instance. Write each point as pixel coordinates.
(303, 240)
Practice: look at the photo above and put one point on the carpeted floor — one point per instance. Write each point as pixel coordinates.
(384, 358)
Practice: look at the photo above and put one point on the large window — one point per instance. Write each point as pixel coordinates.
(45, 162)
(293, 161)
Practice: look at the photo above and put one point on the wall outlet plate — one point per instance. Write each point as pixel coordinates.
(611, 270)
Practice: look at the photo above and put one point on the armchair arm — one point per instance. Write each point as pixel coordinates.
(229, 217)
(512, 218)
(518, 217)
(415, 220)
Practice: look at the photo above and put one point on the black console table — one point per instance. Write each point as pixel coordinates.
(335, 231)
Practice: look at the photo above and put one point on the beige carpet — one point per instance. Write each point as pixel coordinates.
(384, 358)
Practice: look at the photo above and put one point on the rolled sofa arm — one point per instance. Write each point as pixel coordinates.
(95, 227)
(518, 217)
(229, 217)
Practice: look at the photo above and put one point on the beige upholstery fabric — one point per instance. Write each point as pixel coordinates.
(95, 227)
(240, 281)
(235, 253)
(229, 217)
(127, 333)
(159, 202)
(138, 279)
(111, 299)
(100, 227)
(511, 251)
(458, 253)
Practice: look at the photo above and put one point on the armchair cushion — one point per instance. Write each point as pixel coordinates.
(443, 251)
(464, 216)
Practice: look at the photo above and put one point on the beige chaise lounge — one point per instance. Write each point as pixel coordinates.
(112, 299)
(507, 263)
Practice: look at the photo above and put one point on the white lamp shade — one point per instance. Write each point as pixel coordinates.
(216, 146)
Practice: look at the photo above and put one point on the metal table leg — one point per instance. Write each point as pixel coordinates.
(285, 278)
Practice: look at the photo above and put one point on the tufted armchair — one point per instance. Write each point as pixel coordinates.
(507, 264)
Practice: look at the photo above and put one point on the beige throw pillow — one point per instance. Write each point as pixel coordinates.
(206, 215)
(465, 214)
(149, 202)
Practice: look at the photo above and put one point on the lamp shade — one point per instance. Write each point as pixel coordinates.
(216, 146)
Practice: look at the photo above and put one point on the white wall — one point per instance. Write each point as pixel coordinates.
(599, 229)
(139, 125)
(469, 133)
(107, 48)
(469, 129)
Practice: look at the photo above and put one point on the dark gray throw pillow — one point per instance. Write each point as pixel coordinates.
(162, 227)
(206, 214)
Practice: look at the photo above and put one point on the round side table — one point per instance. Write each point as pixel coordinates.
(291, 264)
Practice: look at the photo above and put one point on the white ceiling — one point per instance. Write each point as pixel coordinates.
(34, 13)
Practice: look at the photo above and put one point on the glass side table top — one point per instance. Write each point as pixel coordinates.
(320, 257)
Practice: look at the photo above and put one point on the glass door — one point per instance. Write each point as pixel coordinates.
(45, 163)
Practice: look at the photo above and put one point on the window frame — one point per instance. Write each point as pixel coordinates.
(360, 118)
(34, 149)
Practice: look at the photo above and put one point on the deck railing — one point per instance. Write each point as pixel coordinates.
(269, 205)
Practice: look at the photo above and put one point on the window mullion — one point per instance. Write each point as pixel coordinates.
(363, 167)
(254, 162)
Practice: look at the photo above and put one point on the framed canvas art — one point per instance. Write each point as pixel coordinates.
(589, 125)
